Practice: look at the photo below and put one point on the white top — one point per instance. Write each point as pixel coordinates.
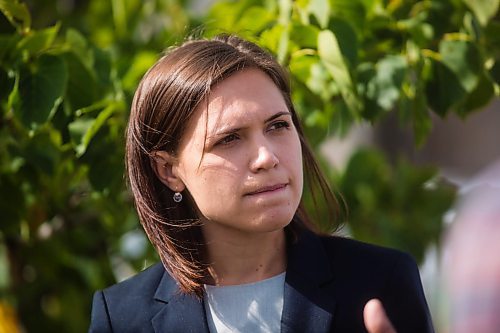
(253, 307)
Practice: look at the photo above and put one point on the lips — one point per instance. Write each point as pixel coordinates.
(266, 189)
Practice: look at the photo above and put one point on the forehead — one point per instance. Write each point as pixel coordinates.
(247, 95)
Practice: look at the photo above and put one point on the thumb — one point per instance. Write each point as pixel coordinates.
(376, 320)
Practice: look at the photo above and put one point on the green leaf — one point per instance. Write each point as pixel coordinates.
(226, 14)
(254, 20)
(422, 122)
(6, 86)
(483, 9)
(443, 89)
(382, 197)
(285, 11)
(391, 72)
(102, 67)
(321, 10)
(38, 41)
(464, 60)
(352, 11)
(41, 87)
(79, 46)
(43, 153)
(8, 50)
(346, 38)
(271, 38)
(300, 65)
(304, 36)
(83, 88)
(481, 96)
(330, 54)
(141, 62)
(83, 130)
(17, 14)
(78, 130)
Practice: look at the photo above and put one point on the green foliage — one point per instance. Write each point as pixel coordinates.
(353, 60)
(68, 226)
(400, 206)
(359, 59)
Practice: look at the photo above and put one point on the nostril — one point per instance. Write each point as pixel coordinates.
(264, 160)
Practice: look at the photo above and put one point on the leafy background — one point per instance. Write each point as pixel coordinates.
(68, 70)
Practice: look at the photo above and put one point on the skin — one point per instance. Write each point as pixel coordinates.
(241, 161)
(376, 320)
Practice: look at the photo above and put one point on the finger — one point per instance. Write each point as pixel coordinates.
(376, 320)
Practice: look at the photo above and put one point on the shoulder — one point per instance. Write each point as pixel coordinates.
(358, 263)
(348, 252)
(366, 271)
(143, 284)
(130, 304)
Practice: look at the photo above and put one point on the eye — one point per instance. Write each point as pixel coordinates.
(227, 139)
(282, 124)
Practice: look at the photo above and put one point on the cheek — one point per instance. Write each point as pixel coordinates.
(295, 162)
(214, 185)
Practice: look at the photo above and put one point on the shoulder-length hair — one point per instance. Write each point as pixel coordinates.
(163, 105)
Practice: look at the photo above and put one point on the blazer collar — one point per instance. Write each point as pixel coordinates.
(181, 312)
(305, 308)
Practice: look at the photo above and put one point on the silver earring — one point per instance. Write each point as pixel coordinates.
(177, 197)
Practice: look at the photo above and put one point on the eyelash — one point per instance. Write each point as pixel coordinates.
(226, 140)
(282, 124)
(276, 126)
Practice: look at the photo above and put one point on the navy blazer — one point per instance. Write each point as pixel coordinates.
(328, 282)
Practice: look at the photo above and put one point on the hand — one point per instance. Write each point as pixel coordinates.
(376, 320)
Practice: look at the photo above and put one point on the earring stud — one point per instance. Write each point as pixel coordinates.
(177, 197)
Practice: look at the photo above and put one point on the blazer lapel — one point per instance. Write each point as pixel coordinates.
(307, 308)
(180, 312)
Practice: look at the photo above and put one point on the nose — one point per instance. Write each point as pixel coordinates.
(265, 159)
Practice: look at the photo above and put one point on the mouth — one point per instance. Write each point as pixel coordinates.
(268, 189)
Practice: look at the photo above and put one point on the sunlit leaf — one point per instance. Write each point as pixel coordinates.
(38, 41)
(346, 38)
(17, 13)
(254, 20)
(464, 60)
(483, 9)
(330, 54)
(321, 10)
(390, 75)
(84, 129)
(304, 36)
(140, 64)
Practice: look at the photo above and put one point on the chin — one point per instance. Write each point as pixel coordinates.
(273, 222)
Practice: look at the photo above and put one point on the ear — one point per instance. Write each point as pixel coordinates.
(164, 166)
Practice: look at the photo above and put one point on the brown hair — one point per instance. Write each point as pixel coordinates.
(163, 104)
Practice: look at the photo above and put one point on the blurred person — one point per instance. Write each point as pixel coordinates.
(471, 262)
(216, 158)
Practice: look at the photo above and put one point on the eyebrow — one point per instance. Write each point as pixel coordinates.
(236, 129)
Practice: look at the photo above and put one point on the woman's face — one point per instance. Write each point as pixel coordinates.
(241, 159)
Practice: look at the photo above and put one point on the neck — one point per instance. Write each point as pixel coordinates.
(238, 257)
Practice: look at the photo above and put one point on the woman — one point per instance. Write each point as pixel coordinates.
(215, 160)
